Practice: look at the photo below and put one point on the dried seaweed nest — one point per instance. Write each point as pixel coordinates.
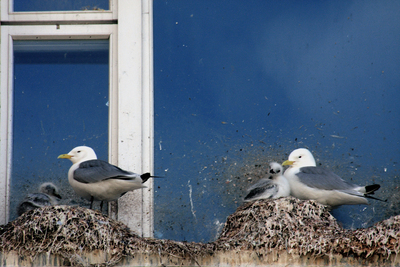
(287, 224)
(305, 228)
(72, 231)
(299, 227)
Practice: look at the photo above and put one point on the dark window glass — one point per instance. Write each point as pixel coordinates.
(60, 102)
(60, 5)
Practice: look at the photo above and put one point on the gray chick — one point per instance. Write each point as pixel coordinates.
(48, 196)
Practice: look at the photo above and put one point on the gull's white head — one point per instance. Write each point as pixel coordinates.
(275, 169)
(300, 158)
(79, 154)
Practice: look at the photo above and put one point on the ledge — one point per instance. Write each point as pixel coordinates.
(279, 232)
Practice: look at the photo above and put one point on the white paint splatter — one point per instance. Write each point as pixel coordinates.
(191, 201)
(218, 227)
(41, 125)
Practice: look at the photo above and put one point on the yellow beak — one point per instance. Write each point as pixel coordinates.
(287, 162)
(64, 156)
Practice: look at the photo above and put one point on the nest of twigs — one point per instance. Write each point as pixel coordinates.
(300, 227)
(287, 225)
(73, 231)
(305, 228)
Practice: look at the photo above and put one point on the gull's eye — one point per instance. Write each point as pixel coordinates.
(278, 171)
(78, 151)
(299, 157)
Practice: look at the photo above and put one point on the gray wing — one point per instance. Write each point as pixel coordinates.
(33, 201)
(93, 171)
(261, 183)
(263, 188)
(321, 178)
(38, 199)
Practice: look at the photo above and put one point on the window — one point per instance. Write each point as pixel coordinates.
(126, 99)
(60, 96)
(62, 5)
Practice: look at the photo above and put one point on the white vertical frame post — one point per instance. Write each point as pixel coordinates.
(135, 105)
(148, 114)
(5, 124)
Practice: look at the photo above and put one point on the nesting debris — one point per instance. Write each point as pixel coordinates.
(65, 231)
(300, 227)
(285, 226)
(382, 239)
(306, 228)
(71, 232)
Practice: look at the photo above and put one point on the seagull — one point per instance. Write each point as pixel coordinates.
(94, 179)
(310, 182)
(275, 186)
(48, 196)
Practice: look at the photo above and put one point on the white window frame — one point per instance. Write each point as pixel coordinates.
(128, 26)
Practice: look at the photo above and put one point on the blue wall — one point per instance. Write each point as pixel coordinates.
(241, 83)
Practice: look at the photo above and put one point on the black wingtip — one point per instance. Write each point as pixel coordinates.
(367, 196)
(146, 176)
(247, 198)
(370, 189)
(253, 194)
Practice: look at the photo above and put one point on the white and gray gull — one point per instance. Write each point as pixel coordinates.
(310, 182)
(275, 186)
(48, 196)
(94, 179)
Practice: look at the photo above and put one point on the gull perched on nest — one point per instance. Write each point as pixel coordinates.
(98, 180)
(48, 196)
(275, 186)
(310, 182)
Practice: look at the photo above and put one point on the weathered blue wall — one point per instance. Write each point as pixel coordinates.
(240, 83)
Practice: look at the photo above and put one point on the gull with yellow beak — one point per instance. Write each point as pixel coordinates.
(94, 179)
(310, 182)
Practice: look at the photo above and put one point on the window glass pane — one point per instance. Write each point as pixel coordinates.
(60, 102)
(60, 5)
(242, 83)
